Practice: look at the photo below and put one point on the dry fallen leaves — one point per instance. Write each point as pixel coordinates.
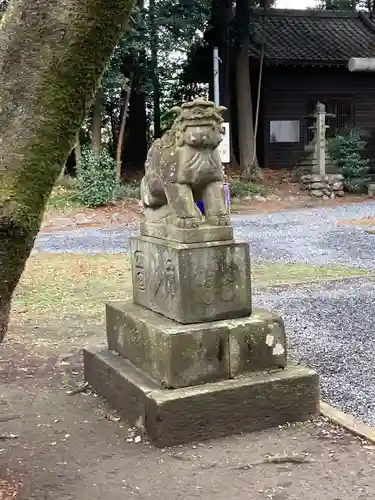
(9, 490)
(112, 418)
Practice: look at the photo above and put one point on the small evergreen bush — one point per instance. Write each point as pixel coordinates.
(346, 150)
(96, 179)
(241, 189)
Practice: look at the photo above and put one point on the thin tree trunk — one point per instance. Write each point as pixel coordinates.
(246, 136)
(234, 161)
(96, 126)
(120, 142)
(52, 55)
(154, 68)
(221, 17)
(137, 128)
(114, 126)
(78, 151)
(257, 112)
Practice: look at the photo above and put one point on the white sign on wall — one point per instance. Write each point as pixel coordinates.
(284, 131)
(224, 146)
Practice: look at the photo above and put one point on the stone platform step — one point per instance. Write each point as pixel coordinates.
(170, 417)
(176, 355)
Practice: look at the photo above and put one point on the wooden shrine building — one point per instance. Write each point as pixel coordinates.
(306, 56)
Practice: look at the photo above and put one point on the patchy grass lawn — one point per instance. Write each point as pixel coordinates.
(60, 286)
(269, 275)
(62, 199)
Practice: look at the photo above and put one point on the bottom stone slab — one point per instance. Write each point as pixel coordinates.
(170, 417)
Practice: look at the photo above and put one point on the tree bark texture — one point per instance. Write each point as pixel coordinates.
(246, 136)
(78, 151)
(135, 151)
(221, 17)
(120, 142)
(96, 124)
(154, 46)
(52, 55)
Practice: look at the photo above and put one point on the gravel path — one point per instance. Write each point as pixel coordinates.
(310, 235)
(331, 329)
(329, 325)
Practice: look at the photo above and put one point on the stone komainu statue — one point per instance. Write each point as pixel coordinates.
(184, 166)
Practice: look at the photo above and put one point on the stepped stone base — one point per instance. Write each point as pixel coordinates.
(176, 355)
(171, 417)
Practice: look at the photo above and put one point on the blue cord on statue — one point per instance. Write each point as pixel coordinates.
(200, 205)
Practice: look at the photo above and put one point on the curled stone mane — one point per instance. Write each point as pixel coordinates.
(190, 114)
(168, 140)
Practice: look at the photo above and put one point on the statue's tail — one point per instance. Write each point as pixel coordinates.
(152, 190)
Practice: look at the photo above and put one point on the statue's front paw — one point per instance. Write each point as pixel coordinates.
(224, 220)
(187, 223)
(219, 220)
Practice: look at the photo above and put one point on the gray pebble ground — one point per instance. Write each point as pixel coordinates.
(330, 326)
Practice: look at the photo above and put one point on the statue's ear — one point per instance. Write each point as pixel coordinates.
(175, 110)
(221, 109)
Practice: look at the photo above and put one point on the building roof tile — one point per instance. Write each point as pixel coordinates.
(311, 37)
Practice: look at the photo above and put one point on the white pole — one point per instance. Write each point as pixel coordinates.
(216, 62)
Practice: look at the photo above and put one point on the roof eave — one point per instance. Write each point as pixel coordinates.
(299, 62)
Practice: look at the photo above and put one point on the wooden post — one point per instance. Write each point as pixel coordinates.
(321, 137)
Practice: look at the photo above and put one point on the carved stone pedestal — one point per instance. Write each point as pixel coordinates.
(192, 282)
(188, 358)
(183, 375)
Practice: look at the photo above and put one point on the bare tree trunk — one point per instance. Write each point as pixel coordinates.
(136, 123)
(114, 127)
(78, 151)
(245, 112)
(96, 125)
(232, 114)
(246, 136)
(247, 130)
(52, 55)
(154, 46)
(120, 141)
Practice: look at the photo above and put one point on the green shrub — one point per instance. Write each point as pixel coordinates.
(242, 189)
(96, 179)
(346, 150)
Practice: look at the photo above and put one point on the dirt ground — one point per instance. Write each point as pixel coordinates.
(73, 447)
(282, 195)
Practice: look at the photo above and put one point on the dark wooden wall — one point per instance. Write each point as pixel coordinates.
(288, 93)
